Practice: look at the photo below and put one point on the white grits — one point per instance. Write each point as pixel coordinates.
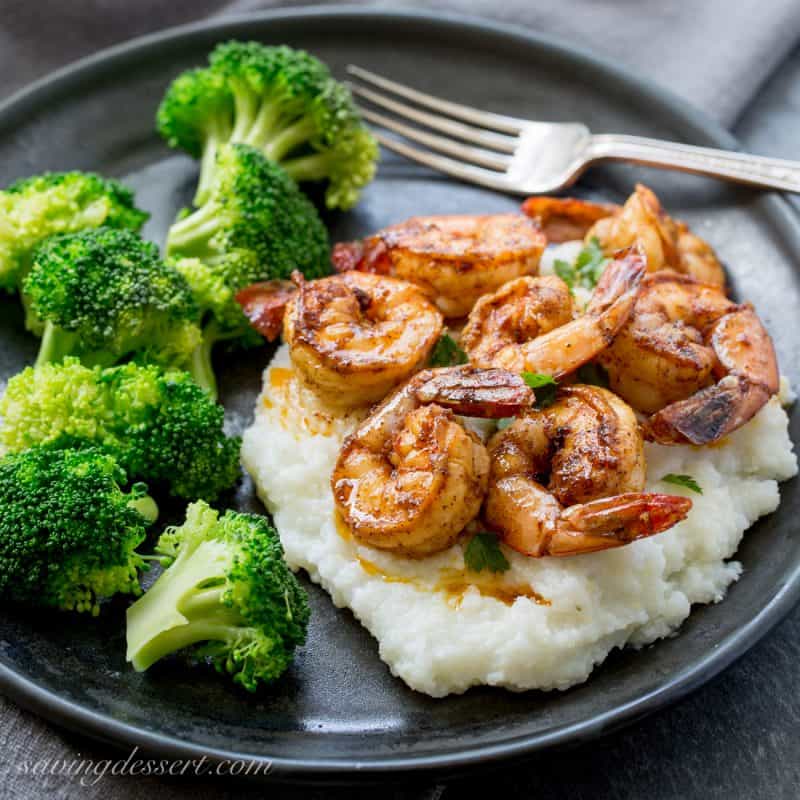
(441, 635)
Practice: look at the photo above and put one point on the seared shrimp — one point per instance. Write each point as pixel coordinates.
(354, 337)
(701, 364)
(568, 479)
(528, 324)
(667, 243)
(453, 259)
(564, 219)
(411, 477)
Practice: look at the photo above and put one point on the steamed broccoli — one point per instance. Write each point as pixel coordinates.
(255, 226)
(226, 595)
(57, 202)
(67, 531)
(282, 101)
(105, 294)
(159, 426)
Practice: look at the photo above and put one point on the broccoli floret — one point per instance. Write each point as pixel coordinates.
(255, 226)
(57, 202)
(227, 595)
(105, 295)
(284, 102)
(160, 427)
(67, 531)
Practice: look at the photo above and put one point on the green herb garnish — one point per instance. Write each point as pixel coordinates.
(546, 387)
(587, 269)
(447, 353)
(483, 552)
(687, 481)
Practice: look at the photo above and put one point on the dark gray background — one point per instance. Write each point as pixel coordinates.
(739, 736)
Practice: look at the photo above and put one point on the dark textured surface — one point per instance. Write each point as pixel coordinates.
(743, 723)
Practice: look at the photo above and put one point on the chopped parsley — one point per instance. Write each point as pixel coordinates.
(687, 481)
(593, 374)
(587, 269)
(447, 353)
(545, 386)
(483, 552)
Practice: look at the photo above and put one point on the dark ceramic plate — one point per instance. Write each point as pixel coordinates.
(339, 709)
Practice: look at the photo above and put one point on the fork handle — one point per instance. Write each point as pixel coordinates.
(769, 173)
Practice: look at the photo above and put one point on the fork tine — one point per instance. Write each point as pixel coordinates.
(464, 172)
(477, 155)
(486, 119)
(494, 141)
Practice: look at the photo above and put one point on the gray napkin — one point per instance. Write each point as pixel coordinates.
(715, 53)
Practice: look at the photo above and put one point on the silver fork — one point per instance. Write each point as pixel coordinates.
(524, 157)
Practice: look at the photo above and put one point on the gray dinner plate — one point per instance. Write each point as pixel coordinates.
(338, 709)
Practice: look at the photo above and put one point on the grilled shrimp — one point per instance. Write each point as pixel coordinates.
(411, 477)
(528, 324)
(453, 259)
(699, 363)
(354, 337)
(568, 479)
(667, 243)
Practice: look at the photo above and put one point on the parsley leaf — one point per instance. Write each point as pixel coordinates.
(546, 387)
(587, 269)
(447, 353)
(593, 374)
(483, 552)
(687, 481)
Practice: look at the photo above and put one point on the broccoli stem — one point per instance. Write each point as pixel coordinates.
(56, 344)
(289, 139)
(263, 126)
(190, 235)
(217, 133)
(314, 167)
(246, 110)
(146, 506)
(177, 611)
(200, 366)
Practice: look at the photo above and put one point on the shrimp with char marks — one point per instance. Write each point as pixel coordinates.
(641, 221)
(453, 259)
(411, 477)
(528, 324)
(699, 363)
(568, 479)
(354, 337)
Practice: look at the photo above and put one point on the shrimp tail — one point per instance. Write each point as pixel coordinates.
(709, 414)
(264, 304)
(366, 255)
(487, 393)
(618, 287)
(615, 521)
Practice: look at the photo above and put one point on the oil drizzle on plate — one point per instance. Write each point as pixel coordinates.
(453, 583)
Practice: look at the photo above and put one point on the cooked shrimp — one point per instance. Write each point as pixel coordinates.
(528, 324)
(568, 479)
(411, 477)
(564, 219)
(667, 243)
(453, 259)
(354, 337)
(701, 364)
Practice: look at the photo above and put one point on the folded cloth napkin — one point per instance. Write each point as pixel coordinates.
(715, 53)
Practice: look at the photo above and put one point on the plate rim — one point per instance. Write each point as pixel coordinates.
(83, 720)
